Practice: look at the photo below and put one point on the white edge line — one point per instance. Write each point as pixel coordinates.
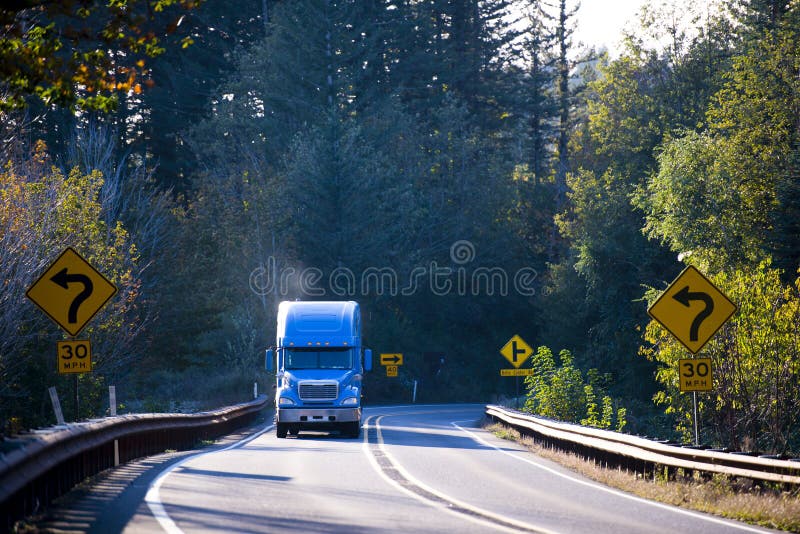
(153, 499)
(698, 515)
(405, 474)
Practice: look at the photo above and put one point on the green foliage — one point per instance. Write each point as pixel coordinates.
(695, 204)
(716, 193)
(633, 104)
(559, 391)
(726, 197)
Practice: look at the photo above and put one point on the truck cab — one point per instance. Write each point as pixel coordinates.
(319, 363)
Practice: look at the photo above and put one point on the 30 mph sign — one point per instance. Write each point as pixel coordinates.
(694, 374)
(74, 356)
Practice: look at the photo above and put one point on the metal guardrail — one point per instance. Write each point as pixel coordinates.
(646, 456)
(50, 462)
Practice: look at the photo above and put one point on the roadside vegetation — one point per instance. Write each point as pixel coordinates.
(763, 506)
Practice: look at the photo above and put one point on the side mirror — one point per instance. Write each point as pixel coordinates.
(367, 359)
(270, 358)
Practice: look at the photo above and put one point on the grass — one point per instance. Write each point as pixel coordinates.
(741, 501)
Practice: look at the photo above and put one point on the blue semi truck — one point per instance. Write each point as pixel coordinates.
(320, 364)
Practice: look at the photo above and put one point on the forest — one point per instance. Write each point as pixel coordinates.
(466, 170)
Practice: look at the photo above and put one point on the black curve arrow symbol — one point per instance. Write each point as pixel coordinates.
(684, 296)
(63, 279)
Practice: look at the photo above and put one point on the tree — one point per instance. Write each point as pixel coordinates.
(538, 103)
(696, 204)
(635, 103)
(563, 39)
(729, 194)
(185, 80)
(755, 117)
(759, 16)
(282, 174)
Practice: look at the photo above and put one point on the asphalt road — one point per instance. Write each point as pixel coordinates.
(415, 469)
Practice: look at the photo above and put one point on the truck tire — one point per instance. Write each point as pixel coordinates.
(281, 429)
(353, 429)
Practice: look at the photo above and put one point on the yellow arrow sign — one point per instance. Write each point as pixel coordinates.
(392, 359)
(516, 351)
(71, 291)
(692, 309)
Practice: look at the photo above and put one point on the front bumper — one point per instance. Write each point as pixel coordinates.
(318, 416)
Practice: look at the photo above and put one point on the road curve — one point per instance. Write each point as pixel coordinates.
(415, 469)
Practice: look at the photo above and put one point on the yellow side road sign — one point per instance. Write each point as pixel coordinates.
(71, 291)
(516, 351)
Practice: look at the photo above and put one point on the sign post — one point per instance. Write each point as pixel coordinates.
(695, 375)
(56, 405)
(74, 357)
(692, 309)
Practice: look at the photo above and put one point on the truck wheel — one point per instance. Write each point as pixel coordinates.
(353, 429)
(281, 429)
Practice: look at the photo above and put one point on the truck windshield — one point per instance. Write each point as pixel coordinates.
(331, 358)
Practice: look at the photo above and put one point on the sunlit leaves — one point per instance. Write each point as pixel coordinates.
(81, 55)
(559, 391)
(698, 203)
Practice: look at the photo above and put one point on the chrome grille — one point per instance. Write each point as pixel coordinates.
(318, 390)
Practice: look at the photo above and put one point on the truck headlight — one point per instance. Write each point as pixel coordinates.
(285, 401)
(350, 401)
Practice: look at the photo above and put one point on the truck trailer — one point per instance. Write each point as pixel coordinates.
(320, 364)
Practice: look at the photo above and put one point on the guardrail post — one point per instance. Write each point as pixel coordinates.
(56, 405)
(669, 473)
